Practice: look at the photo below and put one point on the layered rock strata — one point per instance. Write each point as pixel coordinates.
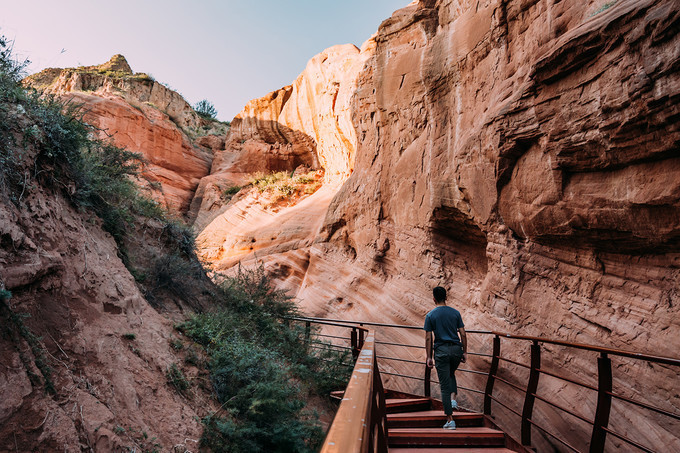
(307, 123)
(525, 155)
(143, 116)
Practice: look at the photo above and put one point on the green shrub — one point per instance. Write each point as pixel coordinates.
(192, 357)
(232, 190)
(178, 236)
(262, 369)
(206, 109)
(229, 192)
(177, 379)
(14, 328)
(176, 344)
(171, 274)
(129, 336)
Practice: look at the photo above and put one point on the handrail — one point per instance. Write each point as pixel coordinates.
(369, 323)
(364, 400)
(603, 387)
(594, 348)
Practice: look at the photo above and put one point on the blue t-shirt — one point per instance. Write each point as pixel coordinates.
(444, 321)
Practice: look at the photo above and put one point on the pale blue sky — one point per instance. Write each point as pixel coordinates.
(226, 51)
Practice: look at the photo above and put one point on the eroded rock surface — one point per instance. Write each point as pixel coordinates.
(77, 310)
(307, 123)
(525, 156)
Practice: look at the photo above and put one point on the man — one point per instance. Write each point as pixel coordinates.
(450, 349)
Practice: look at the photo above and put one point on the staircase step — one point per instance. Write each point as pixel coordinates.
(395, 405)
(450, 450)
(432, 419)
(469, 437)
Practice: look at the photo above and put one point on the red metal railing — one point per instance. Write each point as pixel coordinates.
(604, 387)
(363, 399)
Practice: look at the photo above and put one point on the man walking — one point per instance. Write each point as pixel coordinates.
(450, 349)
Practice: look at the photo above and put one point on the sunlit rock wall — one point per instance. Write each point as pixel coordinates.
(525, 156)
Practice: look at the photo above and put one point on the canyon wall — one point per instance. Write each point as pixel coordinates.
(85, 357)
(305, 124)
(525, 156)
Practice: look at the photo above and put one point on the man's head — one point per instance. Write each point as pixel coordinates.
(439, 294)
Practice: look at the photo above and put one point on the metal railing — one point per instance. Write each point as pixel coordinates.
(363, 399)
(604, 387)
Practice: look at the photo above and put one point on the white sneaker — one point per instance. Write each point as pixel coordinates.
(454, 405)
(450, 425)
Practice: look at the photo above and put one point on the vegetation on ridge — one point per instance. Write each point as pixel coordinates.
(206, 109)
(262, 370)
(283, 185)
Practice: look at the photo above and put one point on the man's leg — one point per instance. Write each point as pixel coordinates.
(455, 358)
(443, 365)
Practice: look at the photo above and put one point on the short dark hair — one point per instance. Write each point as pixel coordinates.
(439, 294)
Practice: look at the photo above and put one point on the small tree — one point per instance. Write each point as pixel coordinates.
(206, 109)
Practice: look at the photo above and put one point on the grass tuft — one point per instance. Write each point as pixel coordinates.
(177, 379)
(604, 7)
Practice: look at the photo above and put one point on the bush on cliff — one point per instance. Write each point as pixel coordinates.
(262, 370)
(206, 109)
(284, 185)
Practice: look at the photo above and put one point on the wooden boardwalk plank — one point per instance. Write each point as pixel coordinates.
(449, 450)
(432, 419)
(471, 437)
(395, 405)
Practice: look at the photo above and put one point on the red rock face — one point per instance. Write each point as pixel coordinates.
(523, 155)
(142, 116)
(64, 271)
(172, 161)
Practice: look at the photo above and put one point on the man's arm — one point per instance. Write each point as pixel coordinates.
(428, 349)
(463, 340)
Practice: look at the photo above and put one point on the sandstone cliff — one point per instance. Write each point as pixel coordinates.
(525, 155)
(307, 123)
(143, 116)
(522, 154)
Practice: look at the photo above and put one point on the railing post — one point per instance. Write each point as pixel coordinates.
(355, 344)
(361, 337)
(493, 370)
(530, 397)
(604, 403)
(379, 412)
(427, 382)
(308, 332)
